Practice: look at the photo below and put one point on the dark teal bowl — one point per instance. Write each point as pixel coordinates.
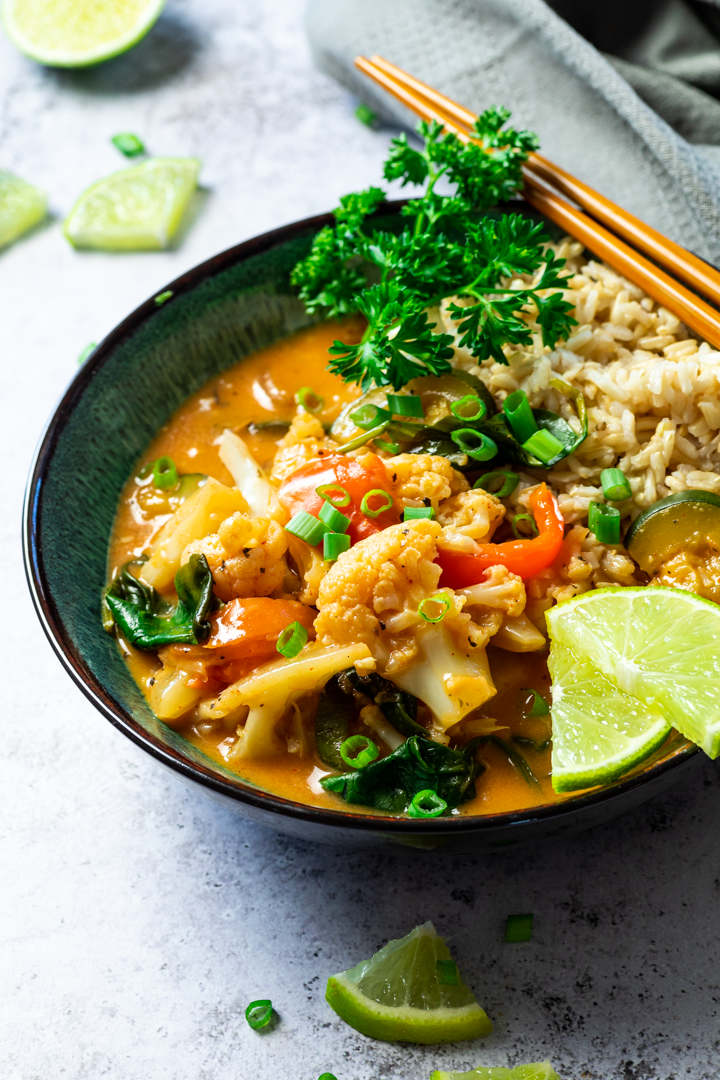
(219, 313)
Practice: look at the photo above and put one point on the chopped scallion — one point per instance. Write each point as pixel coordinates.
(508, 482)
(434, 608)
(469, 408)
(292, 640)
(427, 804)
(528, 522)
(388, 447)
(333, 518)
(86, 353)
(473, 443)
(334, 544)
(310, 401)
(335, 494)
(128, 144)
(447, 973)
(412, 512)
(539, 706)
(519, 416)
(368, 416)
(615, 485)
(385, 502)
(358, 751)
(360, 440)
(604, 521)
(259, 1013)
(367, 117)
(543, 445)
(163, 297)
(307, 527)
(165, 474)
(405, 405)
(518, 928)
(327, 1076)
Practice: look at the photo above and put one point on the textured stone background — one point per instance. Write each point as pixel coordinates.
(139, 919)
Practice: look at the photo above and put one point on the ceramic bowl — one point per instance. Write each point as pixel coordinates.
(220, 312)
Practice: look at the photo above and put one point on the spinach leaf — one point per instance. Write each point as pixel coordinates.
(332, 723)
(398, 707)
(148, 621)
(418, 765)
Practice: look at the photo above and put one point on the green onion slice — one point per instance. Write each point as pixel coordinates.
(604, 521)
(358, 751)
(86, 353)
(163, 297)
(165, 474)
(508, 482)
(292, 640)
(427, 804)
(333, 518)
(310, 401)
(307, 527)
(539, 705)
(368, 416)
(518, 928)
(128, 144)
(388, 447)
(473, 443)
(524, 518)
(334, 544)
(543, 445)
(335, 494)
(428, 608)
(375, 511)
(259, 1013)
(360, 440)
(366, 116)
(405, 405)
(412, 512)
(447, 972)
(615, 485)
(519, 416)
(469, 408)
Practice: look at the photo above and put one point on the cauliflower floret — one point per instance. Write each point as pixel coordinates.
(497, 604)
(423, 480)
(304, 442)
(245, 556)
(373, 593)
(472, 513)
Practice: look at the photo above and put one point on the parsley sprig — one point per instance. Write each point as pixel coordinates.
(446, 248)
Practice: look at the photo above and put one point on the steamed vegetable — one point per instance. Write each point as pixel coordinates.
(418, 765)
(685, 521)
(148, 621)
(445, 250)
(258, 492)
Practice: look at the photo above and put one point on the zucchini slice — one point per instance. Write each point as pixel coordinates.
(685, 521)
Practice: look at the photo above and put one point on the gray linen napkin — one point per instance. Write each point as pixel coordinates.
(627, 97)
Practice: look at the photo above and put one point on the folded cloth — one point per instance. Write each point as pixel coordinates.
(627, 97)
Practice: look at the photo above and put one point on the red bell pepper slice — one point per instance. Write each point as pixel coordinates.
(522, 557)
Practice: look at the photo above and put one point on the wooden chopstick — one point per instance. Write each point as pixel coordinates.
(694, 312)
(680, 262)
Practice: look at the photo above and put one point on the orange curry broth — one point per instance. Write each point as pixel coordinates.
(263, 388)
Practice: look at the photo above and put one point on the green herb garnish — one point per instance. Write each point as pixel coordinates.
(292, 640)
(128, 144)
(259, 1013)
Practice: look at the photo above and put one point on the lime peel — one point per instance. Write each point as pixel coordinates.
(22, 206)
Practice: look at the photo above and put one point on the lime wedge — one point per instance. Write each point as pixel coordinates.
(76, 33)
(135, 209)
(403, 994)
(541, 1070)
(658, 645)
(598, 733)
(21, 207)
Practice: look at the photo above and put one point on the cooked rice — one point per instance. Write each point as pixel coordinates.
(652, 391)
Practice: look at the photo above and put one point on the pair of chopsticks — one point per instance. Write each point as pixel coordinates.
(543, 182)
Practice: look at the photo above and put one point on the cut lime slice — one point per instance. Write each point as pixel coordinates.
(76, 33)
(403, 994)
(136, 209)
(21, 207)
(598, 733)
(541, 1070)
(661, 646)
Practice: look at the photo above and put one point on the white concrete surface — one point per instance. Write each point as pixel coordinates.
(139, 919)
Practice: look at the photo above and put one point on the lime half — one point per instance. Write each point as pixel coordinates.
(598, 733)
(541, 1070)
(76, 33)
(21, 207)
(658, 645)
(410, 991)
(135, 209)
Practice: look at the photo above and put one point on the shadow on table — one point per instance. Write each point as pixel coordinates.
(165, 53)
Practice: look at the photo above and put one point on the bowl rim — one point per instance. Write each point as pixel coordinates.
(243, 791)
